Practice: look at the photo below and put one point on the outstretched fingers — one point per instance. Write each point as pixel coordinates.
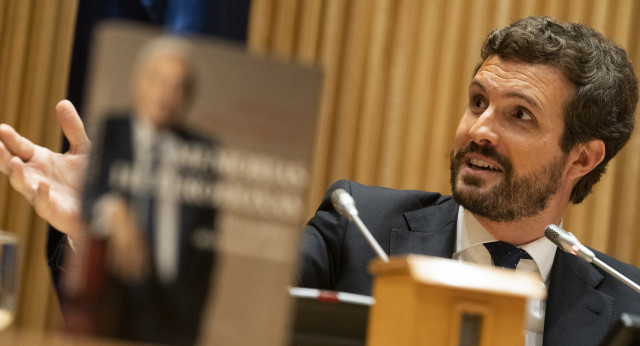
(5, 158)
(16, 144)
(41, 198)
(18, 179)
(72, 127)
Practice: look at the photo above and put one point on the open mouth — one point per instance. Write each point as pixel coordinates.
(480, 164)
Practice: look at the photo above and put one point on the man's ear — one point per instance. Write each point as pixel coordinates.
(586, 156)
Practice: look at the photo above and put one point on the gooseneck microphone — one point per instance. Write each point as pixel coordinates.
(569, 243)
(346, 206)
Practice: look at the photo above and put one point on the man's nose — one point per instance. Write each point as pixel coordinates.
(486, 128)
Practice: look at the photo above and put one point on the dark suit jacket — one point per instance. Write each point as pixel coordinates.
(582, 301)
(151, 310)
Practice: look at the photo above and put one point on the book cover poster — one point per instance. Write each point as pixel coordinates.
(195, 192)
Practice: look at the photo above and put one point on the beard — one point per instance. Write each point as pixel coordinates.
(515, 197)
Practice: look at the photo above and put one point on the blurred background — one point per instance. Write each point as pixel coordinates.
(395, 86)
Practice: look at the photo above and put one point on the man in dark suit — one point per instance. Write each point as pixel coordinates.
(548, 107)
(138, 214)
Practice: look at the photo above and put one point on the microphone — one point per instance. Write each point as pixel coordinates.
(346, 206)
(569, 243)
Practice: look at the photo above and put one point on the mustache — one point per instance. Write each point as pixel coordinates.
(488, 151)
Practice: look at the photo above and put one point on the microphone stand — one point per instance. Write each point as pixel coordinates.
(567, 242)
(616, 274)
(346, 206)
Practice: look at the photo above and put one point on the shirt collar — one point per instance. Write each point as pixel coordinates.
(143, 132)
(469, 233)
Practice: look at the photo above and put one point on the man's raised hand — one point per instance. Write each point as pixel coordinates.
(50, 181)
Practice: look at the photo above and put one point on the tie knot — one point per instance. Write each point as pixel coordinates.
(505, 255)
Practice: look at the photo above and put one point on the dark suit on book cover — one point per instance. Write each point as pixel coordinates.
(153, 310)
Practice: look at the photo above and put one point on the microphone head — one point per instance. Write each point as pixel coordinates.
(553, 233)
(344, 203)
(568, 242)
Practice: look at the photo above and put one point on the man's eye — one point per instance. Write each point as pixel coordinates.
(478, 102)
(523, 114)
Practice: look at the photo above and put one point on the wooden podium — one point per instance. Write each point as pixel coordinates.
(423, 300)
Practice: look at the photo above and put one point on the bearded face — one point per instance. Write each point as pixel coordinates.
(515, 196)
(507, 162)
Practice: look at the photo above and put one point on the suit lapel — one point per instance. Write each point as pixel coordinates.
(577, 313)
(432, 231)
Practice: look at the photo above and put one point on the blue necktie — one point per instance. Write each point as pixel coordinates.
(505, 255)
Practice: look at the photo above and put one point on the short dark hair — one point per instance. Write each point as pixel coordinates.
(604, 102)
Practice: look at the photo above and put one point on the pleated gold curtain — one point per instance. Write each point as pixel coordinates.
(396, 78)
(35, 51)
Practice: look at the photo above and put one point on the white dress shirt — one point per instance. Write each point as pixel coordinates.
(167, 235)
(470, 237)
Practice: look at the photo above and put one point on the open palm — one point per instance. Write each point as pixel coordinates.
(50, 181)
